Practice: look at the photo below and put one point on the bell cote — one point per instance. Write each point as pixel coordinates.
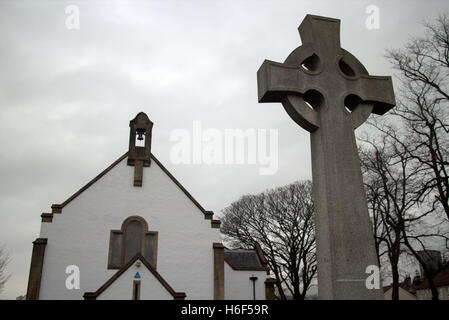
(139, 154)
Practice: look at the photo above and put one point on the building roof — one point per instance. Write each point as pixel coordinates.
(404, 294)
(405, 285)
(207, 214)
(243, 259)
(402, 285)
(174, 294)
(440, 280)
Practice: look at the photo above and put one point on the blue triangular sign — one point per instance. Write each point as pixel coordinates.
(137, 276)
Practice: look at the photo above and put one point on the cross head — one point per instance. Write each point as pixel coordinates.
(320, 76)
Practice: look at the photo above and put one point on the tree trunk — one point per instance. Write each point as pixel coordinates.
(395, 287)
(295, 284)
(427, 274)
(280, 289)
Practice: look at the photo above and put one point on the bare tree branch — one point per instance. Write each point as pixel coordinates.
(282, 222)
(4, 260)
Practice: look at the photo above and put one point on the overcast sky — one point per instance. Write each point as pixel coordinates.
(66, 96)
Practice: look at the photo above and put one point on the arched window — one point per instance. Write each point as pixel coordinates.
(131, 239)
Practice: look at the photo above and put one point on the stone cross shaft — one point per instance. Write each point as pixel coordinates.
(329, 93)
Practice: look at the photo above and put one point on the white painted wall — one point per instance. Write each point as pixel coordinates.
(122, 288)
(80, 235)
(239, 287)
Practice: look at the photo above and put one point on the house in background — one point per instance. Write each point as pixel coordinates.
(419, 289)
(241, 265)
(134, 232)
(441, 282)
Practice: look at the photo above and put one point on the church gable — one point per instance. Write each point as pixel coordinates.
(137, 158)
(90, 229)
(137, 280)
(57, 208)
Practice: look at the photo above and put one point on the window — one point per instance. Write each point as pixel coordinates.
(131, 239)
(136, 290)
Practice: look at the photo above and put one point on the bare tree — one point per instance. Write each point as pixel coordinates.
(403, 218)
(423, 107)
(4, 260)
(417, 135)
(389, 183)
(282, 222)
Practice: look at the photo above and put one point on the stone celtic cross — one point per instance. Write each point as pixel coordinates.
(329, 93)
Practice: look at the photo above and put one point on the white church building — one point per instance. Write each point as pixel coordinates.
(134, 232)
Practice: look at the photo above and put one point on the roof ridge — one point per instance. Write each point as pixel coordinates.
(207, 214)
